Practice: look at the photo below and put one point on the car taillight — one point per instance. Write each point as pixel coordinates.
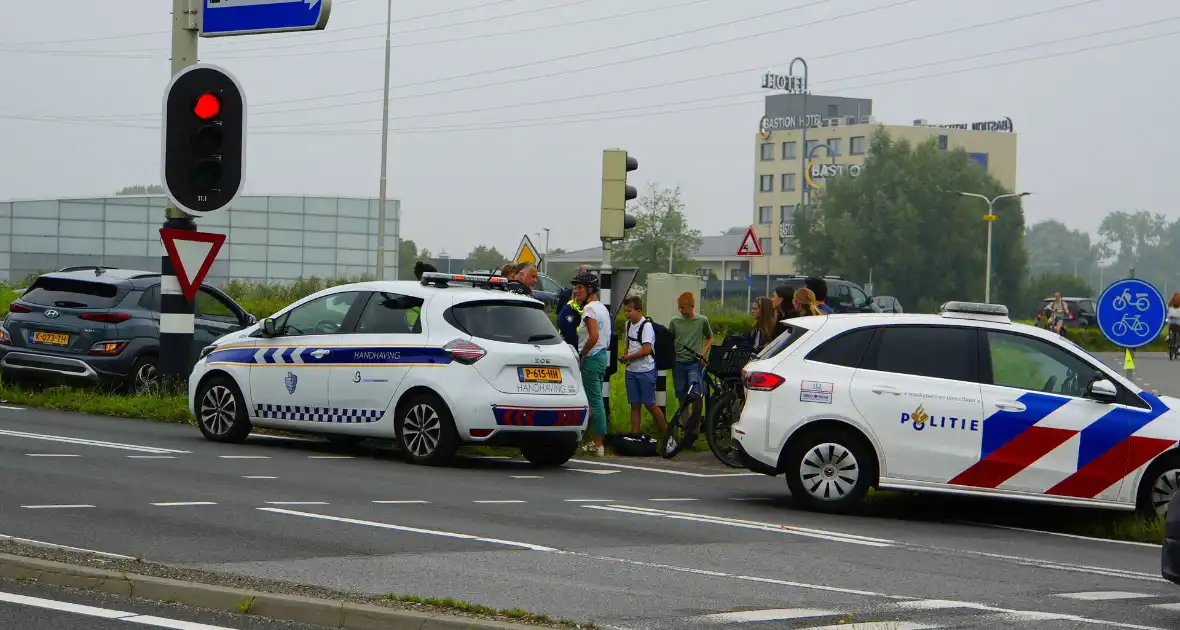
(107, 348)
(762, 381)
(106, 318)
(464, 352)
(1071, 315)
(17, 307)
(5, 340)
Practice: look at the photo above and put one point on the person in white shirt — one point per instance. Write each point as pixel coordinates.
(641, 364)
(594, 334)
(1174, 316)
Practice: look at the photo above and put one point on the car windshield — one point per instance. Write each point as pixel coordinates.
(71, 293)
(508, 321)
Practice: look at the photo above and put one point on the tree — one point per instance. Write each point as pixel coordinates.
(1127, 235)
(407, 255)
(1053, 247)
(922, 244)
(660, 229)
(153, 189)
(483, 257)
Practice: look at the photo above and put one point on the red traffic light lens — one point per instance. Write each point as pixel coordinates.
(207, 106)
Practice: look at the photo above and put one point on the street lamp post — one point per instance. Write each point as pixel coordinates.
(384, 150)
(803, 143)
(990, 218)
(545, 261)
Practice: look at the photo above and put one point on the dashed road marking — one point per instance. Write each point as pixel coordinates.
(183, 503)
(1103, 595)
(1169, 607)
(151, 457)
(55, 507)
(675, 499)
(588, 500)
(751, 499)
(780, 614)
(12, 408)
(501, 501)
(401, 502)
(84, 442)
(527, 477)
(331, 457)
(243, 456)
(49, 545)
(51, 455)
(258, 477)
(295, 502)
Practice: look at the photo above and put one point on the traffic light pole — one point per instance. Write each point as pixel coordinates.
(604, 283)
(176, 313)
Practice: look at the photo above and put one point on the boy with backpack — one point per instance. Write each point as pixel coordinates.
(640, 359)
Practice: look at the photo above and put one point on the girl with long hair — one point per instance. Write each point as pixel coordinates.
(804, 303)
(766, 317)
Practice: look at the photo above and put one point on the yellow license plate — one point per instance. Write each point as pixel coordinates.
(56, 339)
(540, 375)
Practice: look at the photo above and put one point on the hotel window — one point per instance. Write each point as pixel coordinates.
(942, 140)
(809, 147)
(766, 183)
(786, 246)
(786, 214)
(856, 145)
(765, 214)
(790, 150)
(767, 151)
(836, 145)
(788, 182)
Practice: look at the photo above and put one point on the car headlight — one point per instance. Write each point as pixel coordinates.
(205, 352)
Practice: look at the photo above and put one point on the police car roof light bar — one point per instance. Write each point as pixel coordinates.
(976, 310)
(441, 280)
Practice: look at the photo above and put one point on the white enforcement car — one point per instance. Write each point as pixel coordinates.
(964, 402)
(431, 365)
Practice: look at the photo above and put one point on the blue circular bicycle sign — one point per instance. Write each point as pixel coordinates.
(1131, 313)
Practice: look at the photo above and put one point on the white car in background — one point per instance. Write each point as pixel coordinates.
(964, 402)
(448, 361)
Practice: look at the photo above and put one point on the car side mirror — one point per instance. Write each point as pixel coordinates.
(1102, 390)
(269, 327)
(251, 320)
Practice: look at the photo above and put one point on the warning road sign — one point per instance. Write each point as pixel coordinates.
(750, 245)
(526, 253)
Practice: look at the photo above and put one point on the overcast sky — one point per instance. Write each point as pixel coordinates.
(476, 159)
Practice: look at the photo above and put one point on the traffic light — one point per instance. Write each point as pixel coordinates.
(204, 145)
(616, 193)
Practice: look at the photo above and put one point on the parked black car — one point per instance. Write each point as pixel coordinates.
(844, 296)
(1083, 312)
(101, 325)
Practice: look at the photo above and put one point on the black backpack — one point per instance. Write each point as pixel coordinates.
(664, 349)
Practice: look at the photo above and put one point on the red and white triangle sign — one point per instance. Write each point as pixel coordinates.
(750, 245)
(192, 255)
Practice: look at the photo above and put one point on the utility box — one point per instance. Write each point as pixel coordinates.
(662, 291)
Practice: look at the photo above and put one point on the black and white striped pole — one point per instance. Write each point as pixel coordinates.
(604, 284)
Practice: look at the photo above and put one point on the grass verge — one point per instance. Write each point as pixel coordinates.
(506, 614)
(150, 405)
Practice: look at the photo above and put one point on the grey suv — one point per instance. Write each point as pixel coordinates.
(101, 325)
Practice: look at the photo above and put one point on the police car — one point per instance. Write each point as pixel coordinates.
(963, 402)
(452, 360)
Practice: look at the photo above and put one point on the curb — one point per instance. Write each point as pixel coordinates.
(333, 614)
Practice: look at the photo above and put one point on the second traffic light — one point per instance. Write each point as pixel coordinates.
(204, 143)
(616, 193)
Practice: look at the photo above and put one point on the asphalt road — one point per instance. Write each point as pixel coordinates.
(1153, 370)
(30, 606)
(634, 544)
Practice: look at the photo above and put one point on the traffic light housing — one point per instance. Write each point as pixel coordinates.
(616, 193)
(204, 139)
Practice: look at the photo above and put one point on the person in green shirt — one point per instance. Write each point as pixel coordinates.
(693, 334)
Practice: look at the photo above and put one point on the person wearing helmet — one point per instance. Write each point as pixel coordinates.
(594, 335)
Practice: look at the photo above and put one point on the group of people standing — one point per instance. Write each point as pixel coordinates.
(785, 303)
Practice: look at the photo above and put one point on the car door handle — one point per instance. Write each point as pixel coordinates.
(1008, 405)
(885, 389)
(320, 353)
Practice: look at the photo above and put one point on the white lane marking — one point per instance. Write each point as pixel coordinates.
(401, 502)
(83, 442)
(588, 500)
(1031, 615)
(183, 503)
(936, 604)
(54, 507)
(766, 527)
(1059, 566)
(415, 530)
(49, 545)
(331, 457)
(105, 613)
(1103, 595)
(596, 472)
(674, 499)
(751, 499)
(1006, 613)
(1171, 607)
(12, 408)
(1061, 534)
(258, 477)
(527, 477)
(151, 457)
(877, 625)
(243, 456)
(295, 502)
(501, 501)
(667, 472)
(748, 616)
(50, 455)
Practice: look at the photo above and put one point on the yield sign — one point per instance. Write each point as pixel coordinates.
(750, 245)
(526, 253)
(192, 255)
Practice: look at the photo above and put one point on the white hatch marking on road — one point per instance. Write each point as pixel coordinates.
(527, 477)
(57, 507)
(1171, 607)
(84, 442)
(1103, 595)
(877, 625)
(258, 477)
(105, 613)
(937, 604)
(1061, 534)
(243, 456)
(667, 472)
(766, 527)
(751, 499)
(51, 455)
(588, 500)
(1006, 614)
(151, 457)
(748, 616)
(331, 457)
(402, 502)
(49, 545)
(415, 530)
(674, 499)
(501, 501)
(1031, 615)
(295, 502)
(596, 472)
(183, 503)
(12, 408)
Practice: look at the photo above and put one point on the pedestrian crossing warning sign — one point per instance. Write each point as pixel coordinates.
(526, 253)
(750, 245)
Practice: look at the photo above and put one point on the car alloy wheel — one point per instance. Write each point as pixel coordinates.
(218, 410)
(146, 376)
(1166, 483)
(829, 472)
(422, 430)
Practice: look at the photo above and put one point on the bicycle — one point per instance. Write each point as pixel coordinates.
(725, 364)
(1173, 342)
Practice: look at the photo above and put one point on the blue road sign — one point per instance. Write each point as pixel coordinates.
(220, 18)
(1131, 313)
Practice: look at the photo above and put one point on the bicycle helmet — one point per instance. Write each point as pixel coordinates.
(588, 280)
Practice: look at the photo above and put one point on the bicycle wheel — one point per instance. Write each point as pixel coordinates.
(719, 428)
(682, 427)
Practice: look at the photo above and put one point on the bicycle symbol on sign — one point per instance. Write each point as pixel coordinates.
(1132, 323)
(1124, 301)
